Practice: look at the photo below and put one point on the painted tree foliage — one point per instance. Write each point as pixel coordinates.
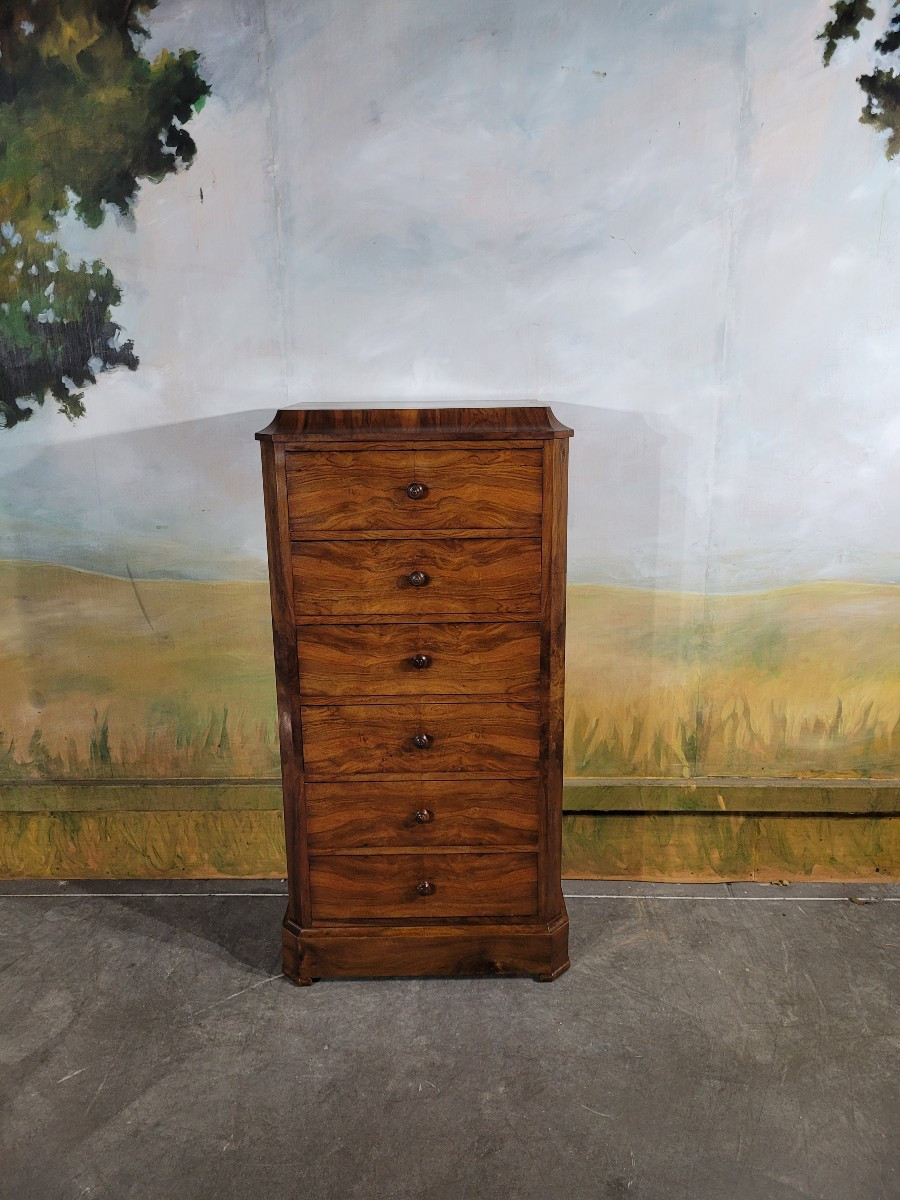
(882, 86)
(84, 117)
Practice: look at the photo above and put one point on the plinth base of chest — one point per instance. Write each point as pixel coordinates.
(376, 951)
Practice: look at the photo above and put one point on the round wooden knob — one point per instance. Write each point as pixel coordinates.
(424, 816)
(422, 741)
(416, 491)
(418, 578)
(425, 888)
(420, 661)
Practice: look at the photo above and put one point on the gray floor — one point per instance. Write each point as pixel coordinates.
(708, 1044)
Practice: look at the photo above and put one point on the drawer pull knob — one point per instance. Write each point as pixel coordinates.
(425, 888)
(418, 578)
(416, 491)
(424, 816)
(422, 741)
(420, 661)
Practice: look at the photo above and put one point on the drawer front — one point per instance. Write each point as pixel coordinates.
(422, 489)
(419, 659)
(484, 812)
(417, 577)
(490, 739)
(345, 886)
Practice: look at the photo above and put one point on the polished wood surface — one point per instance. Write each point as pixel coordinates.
(420, 659)
(417, 563)
(422, 813)
(287, 683)
(482, 738)
(415, 490)
(554, 655)
(306, 426)
(480, 575)
(349, 951)
(426, 886)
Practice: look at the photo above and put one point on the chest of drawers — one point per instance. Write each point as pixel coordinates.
(417, 572)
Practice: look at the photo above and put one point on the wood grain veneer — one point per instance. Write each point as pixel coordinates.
(422, 813)
(417, 571)
(472, 738)
(369, 489)
(479, 575)
(426, 887)
(420, 659)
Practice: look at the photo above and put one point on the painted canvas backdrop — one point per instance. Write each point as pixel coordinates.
(664, 221)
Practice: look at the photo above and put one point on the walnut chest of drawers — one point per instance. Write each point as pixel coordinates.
(417, 570)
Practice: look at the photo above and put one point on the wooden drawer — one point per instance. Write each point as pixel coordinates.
(490, 739)
(345, 886)
(459, 575)
(483, 812)
(372, 489)
(420, 659)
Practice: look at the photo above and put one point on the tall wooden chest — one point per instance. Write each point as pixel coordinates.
(417, 570)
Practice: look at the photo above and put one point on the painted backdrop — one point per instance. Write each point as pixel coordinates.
(664, 220)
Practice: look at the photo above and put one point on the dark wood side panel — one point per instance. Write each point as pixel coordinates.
(415, 489)
(287, 686)
(421, 812)
(478, 575)
(553, 692)
(419, 659)
(348, 886)
(487, 739)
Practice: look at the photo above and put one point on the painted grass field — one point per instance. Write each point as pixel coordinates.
(102, 677)
(800, 681)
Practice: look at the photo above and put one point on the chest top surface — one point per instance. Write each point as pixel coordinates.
(522, 422)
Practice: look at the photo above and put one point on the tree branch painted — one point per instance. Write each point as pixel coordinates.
(84, 118)
(882, 86)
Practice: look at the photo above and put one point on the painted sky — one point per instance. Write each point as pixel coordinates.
(662, 219)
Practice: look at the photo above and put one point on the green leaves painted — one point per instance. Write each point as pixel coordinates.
(882, 86)
(84, 118)
(848, 16)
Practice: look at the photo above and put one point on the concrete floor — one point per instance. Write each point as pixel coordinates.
(708, 1044)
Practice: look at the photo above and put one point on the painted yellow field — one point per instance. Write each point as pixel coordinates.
(162, 678)
(800, 681)
(102, 677)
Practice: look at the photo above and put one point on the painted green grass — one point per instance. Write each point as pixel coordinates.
(187, 743)
(734, 740)
(162, 679)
